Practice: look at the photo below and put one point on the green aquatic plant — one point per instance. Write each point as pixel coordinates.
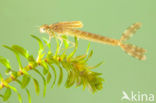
(78, 71)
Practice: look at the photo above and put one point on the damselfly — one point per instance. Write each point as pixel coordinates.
(70, 29)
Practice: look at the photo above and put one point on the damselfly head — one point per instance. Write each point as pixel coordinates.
(44, 28)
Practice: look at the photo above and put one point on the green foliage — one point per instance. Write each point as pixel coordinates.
(18, 94)
(5, 62)
(79, 73)
(25, 81)
(29, 96)
(36, 84)
(7, 94)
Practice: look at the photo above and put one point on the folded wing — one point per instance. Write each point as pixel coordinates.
(70, 24)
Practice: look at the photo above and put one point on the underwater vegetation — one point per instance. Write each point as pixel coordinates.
(77, 68)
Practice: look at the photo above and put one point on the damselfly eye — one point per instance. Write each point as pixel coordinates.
(42, 30)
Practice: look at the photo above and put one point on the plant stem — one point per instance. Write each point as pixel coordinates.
(19, 73)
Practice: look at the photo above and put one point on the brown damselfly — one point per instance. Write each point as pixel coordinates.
(70, 29)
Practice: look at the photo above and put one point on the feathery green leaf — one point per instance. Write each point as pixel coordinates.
(0, 76)
(37, 88)
(45, 67)
(61, 76)
(21, 50)
(44, 81)
(47, 43)
(52, 67)
(93, 67)
(5, 62)
(88, 49)
(16, 53)
(25, 81)
(29, 96)
(89, 55)
(76, 45)
(48, 77)
(70, 79)
(39, 41)
(66, 43)
(7, 94)
(57, 46)
(18, 94)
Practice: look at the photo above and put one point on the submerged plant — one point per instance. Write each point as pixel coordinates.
(79, 73)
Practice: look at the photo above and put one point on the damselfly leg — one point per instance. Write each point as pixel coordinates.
(61, 43)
